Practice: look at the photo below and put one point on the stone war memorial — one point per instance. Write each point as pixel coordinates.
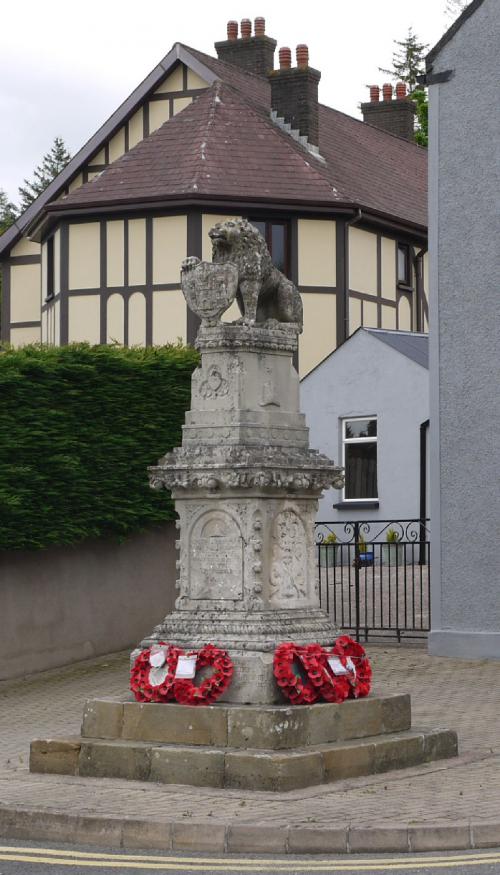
(247, 684)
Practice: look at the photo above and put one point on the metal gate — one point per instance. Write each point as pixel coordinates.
(374, 576)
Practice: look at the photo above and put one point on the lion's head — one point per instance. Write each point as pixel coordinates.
(235, 239)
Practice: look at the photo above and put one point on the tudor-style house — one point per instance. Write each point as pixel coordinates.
(341, 202)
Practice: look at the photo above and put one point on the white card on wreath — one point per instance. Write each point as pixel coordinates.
(337, 667)
(157, 657)
(186, 667)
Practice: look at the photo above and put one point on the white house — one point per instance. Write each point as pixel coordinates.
(367, 406)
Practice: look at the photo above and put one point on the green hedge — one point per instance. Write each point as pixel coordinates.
(78, 427)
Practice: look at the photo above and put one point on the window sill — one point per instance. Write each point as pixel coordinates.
(355, 505)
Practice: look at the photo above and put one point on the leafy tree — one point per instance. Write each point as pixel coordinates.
(419, 96)
(52, 164)
(408, 60)
(8, 212)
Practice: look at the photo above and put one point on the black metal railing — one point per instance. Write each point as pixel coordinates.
(374, 576)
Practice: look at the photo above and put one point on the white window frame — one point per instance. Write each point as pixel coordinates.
(362, 440)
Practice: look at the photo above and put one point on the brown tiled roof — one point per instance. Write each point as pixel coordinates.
(224, 145)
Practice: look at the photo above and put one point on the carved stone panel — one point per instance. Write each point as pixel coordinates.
(288, 579)
(216, 558)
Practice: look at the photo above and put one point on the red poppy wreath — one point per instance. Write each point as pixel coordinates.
(161, 674)
(309, 673)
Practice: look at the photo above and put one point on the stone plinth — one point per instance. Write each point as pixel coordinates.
(243, 747)
(246, 488)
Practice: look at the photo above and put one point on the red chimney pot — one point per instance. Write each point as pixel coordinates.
(285, 56)
(302, 55)
(246, 28)
(374, 93)
(232, 30)
(400, 90)
(259, 26)
(387, 91)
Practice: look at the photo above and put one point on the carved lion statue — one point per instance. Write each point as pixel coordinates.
(264, 293)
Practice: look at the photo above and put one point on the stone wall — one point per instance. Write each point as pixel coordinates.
(69, 603)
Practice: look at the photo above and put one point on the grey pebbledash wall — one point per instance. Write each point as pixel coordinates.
(465, 340)
(65, 604)
(365, 377)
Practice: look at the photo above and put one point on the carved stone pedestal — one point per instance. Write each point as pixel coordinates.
(246, 488)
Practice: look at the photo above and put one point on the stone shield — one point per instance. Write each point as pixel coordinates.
(210, 289)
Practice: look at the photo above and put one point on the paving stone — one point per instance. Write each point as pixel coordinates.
(453, 837)
(273, 771)
(112, 759)
(146, 834)
(102, 718)
(308, 840)
(56, 757)
(258, 839)
(377, 838)
(268, 729)
(175, 724)
(396, 713)
(184, 765)
(193, 836)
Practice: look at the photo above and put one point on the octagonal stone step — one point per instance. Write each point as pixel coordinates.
(246, 726)
(251, 769)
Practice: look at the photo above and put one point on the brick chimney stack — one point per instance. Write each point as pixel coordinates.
(254, 54)
(397, 116)
(294, 92)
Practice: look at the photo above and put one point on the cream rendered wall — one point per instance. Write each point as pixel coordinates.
(362, 261)
(136, 128)
(172, 82)
(404, 314)
(180, 103)
(44, 327)
(84, 320)
(115, 319)
(169, 248)
(370, 315)
(22, 336)
(100, 158)
(137, 252)
(354, 314)
(114, 253)
(388, 318)
(57, 262)
(195, 81)
(137, 320)
(25, 293)
(316, 252)
(159, 112)
(319, 336)
(57, 323)
(117, 145)
(169, 317)
(388, 272)
(84, 254)
(76, 183)
(24, 247)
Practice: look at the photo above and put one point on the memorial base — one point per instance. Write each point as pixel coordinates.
(244, 747)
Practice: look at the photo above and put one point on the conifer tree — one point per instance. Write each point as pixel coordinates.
(407, 61)
(8, 212)
(52, 164)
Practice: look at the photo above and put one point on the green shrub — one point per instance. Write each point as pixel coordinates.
(78, 427)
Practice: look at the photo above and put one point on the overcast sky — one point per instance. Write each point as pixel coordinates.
(66, 66)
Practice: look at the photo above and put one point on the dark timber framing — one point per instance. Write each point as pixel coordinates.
(194, 247)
